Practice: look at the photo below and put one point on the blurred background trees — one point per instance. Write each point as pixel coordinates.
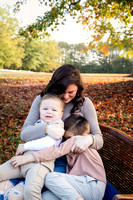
(30, 48)
(93, 61)
(11, 44)
(109, 19)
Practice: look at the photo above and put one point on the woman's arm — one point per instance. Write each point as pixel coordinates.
(89, 112)
(94, 139)
(32, 130)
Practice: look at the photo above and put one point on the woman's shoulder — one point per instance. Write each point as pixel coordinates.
(36, 101)
(38, 98)
(87, 105)
(87, 100)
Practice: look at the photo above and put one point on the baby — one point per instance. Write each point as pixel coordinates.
(51, 111)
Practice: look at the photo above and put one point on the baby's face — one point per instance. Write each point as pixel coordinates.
(50, 110)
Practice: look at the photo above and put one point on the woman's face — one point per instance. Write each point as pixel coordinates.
(70, 93)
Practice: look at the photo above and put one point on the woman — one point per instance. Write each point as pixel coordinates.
(65, 82)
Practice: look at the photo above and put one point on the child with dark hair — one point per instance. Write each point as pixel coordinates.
(85, 178)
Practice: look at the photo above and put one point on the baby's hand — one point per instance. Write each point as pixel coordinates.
(20, 149)
(56, 131)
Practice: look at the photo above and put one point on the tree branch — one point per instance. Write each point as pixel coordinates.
(74, 3)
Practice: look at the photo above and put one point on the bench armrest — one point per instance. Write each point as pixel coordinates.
(123, 197)
(117, 156)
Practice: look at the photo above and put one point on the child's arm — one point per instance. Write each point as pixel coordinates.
(44, 142)
(45, 154)
(39, 144)
(54, 152)
(20, 149)
(21, 160)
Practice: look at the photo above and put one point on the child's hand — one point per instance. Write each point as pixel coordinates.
(20, 149)
(21, 160)
(81, 143)
(17, 161)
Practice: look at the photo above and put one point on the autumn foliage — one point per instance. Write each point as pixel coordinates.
(111, 98)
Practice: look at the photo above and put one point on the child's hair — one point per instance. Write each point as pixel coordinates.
(55, 97)
(76, 124)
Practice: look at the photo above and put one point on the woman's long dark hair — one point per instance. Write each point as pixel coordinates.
(61, 79)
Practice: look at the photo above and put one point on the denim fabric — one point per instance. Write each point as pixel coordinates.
(15, 181)
(110, 192)
(1, 197)
(60, 164)
(71, 186)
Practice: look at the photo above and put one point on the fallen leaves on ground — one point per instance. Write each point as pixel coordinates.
(112, 98)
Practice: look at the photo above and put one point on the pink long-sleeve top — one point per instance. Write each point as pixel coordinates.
(88, 162)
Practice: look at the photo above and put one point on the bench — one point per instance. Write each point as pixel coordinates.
(117, 156)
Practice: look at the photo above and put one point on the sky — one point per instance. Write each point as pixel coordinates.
(71, 32)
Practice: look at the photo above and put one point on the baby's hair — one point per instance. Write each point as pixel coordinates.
(55, 97)
(76, 124)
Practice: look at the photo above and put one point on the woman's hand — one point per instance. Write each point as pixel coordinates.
(55, 131)
(21, 160)
(20, 149)
(82, 143)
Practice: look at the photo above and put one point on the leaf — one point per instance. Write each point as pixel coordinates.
(104, 49)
